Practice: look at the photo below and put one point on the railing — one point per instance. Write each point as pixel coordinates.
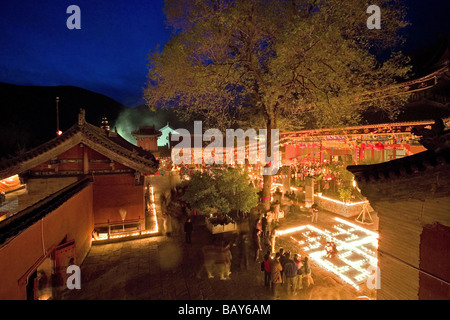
(118, 229)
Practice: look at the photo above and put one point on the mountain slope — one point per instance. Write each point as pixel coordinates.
(28, 113)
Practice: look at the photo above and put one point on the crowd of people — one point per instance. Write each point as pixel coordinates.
(294, 273)
(282, 271)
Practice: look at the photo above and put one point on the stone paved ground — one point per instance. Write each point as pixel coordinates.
(166, 268)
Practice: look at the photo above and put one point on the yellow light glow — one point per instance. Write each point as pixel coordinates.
(340, 202)
(352, 250)
(152, 197)
(10, 184)
(104, 236)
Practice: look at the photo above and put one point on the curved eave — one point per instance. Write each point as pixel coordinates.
(139, 160)
(402, 168)
(40, 154)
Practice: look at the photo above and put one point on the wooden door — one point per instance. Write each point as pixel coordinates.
(64, 256)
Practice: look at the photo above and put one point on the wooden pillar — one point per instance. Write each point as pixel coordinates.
(361, 153)
(309, 194)
(321, 154)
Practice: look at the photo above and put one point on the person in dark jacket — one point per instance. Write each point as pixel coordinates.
(265, 226)
(188, 227)
(244, 246)
(283, 261)
(290, 271)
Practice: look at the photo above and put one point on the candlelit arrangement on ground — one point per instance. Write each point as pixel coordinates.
(355, 249)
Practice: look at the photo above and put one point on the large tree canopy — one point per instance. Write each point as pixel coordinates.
(277, 63)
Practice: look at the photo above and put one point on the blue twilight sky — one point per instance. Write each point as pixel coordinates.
(109, 54)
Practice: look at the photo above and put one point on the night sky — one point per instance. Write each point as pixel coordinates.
(109, 54)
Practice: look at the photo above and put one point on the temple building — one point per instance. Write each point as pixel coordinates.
(86, 185)
(147, 138)
(411, 196)
(380, 139)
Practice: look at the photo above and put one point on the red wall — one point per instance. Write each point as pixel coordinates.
(292, 151)
(150, 145)
(97, 161)
(112, 192)
(73, 220)
(434, 261)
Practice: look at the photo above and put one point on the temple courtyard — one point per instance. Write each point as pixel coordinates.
(167, 268)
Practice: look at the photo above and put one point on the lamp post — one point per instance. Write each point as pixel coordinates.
(58, 132)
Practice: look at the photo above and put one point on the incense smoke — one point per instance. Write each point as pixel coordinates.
(130, 119)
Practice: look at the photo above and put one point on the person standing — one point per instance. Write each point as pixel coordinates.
(306, 272)
(188, 227)
(244, 247)
(264, 226)
(276, 210)
(298, 262)
(275, 275)
(257, 243)
(278, 196)
(314, 213)
(290, 272)
(267, 268)
(283, 259)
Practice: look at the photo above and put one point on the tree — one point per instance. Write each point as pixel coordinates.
(289, 63)
(220, 190)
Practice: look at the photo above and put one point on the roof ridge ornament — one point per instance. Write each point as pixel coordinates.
(82, 117)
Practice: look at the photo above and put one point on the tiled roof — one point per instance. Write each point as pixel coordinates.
(437, 157)
(27, 217)
(401, 168)
(105, 142)
(146, 131)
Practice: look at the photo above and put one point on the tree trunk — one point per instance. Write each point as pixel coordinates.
(267, 179)
(266, 191)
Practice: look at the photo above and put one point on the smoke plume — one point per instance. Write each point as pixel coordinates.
(130, 119)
